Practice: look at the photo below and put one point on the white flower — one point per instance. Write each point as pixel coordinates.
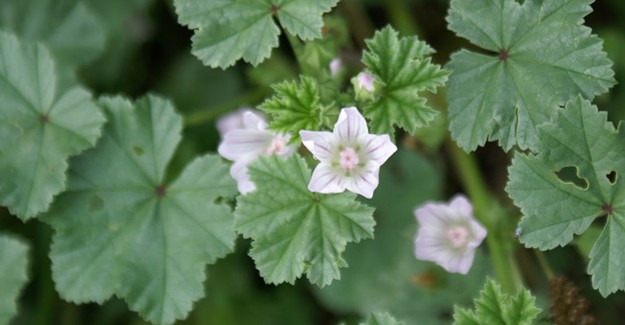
(448, 234)
(335, 66)
(244, 145)
(350, 157)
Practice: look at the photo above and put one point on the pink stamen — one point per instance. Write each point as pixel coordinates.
(277, 146)
(458, 236)
(348, 158)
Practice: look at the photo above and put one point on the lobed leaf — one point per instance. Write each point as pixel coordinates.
(122, 230)
(228, 30)
(557, 206)
(13, 267)
(543, 56)
(40, 128)
(295, 231)
(493, 307)
(404, 67)
(296, 106)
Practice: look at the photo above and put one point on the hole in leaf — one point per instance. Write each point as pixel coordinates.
(611, 176)
(570, 174)
(138, 150)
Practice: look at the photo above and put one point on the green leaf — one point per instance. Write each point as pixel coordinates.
(122, 230)
(39, 127)
(556, 206)
(296, 106)
(381, 319)
(496, 308)
(13, 267)
(228, 30)
(69, 28)
(295, 231)
(404, 67)
(395, 280)
(543, 56)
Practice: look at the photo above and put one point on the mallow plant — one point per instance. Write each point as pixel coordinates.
(353, 179)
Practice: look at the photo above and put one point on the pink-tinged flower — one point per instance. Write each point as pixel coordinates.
(365, 81)
(364, 86)
(243, 145)
(336, 65)
(350, 157)
(448, 234)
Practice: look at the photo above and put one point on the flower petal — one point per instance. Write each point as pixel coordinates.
(254, 121)
(243, 142)
(461, 205)
(231, 121)
(320, 144)
(378, 147)
(432, 216)
(350, 125)
(238, 170)
(479, 233)
(326, 180)
(365, 181)
(459, 263)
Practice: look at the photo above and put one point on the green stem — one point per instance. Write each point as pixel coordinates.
(544, 264)
(488, 211)
(399, 14)
(206, 115)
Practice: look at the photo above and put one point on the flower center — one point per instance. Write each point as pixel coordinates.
(458, 236)
(348, 158)
(277, 146)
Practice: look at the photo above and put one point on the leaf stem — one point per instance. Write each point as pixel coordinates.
(544, 264)
(490, 213)
(210, 113)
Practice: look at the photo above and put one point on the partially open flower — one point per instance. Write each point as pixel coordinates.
(350, 157)
(448, 234)
(244, 145)
(364, 86)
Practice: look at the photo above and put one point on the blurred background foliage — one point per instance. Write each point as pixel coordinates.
(132, 47)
